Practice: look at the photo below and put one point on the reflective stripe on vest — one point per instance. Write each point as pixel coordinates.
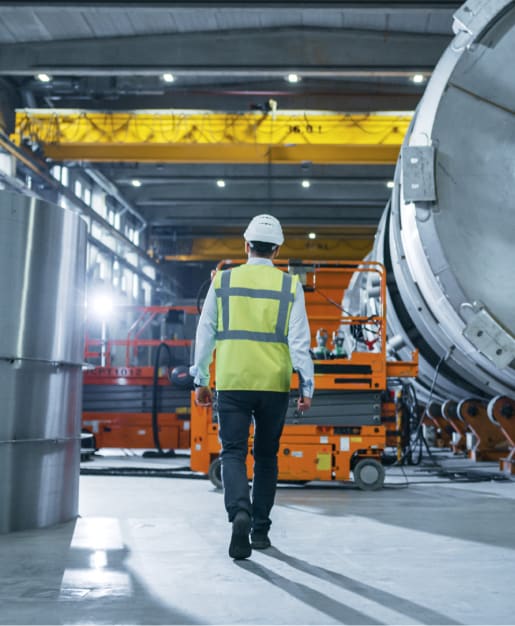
(254, 304)
(284, 296)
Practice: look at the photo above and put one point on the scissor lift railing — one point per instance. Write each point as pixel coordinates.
(317, 446)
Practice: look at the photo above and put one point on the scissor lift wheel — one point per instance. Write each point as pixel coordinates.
(369, 474)
(215, 473)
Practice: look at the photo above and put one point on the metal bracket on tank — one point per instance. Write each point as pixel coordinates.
(487, 335)
(473, 17)
(418, 173)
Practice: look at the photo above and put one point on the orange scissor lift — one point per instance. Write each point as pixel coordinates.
(118, 399)
(353, 417)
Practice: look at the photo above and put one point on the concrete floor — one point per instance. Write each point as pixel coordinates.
(154, 551)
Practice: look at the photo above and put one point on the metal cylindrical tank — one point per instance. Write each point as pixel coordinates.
(448, 236)
(42, 286)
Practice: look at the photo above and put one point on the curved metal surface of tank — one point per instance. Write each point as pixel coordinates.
(448, 236)
(42, 282)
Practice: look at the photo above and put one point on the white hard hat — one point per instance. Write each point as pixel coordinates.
(266, 228)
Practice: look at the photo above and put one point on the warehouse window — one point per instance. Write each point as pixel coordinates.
(116, 273)
(96, 231)
(149, 271)
(147, 293)
(132, 258)
(98, 203)
(102, 268)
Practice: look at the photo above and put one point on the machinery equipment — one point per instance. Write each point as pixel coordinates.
(459, 439)
(446, 238)
(346, 428)
(489, 442)
(42, 282)
(501, 412)
(442, 427)
(132, 404)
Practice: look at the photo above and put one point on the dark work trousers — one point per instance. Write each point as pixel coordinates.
(236, 409)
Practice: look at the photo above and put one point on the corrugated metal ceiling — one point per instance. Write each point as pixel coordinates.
(25, 23)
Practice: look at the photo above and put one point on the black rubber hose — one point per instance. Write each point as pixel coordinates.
(155, 388)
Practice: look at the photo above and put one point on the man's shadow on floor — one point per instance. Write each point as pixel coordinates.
(337, 610)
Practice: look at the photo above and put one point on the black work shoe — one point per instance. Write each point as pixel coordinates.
(260, 540)
(239, 547)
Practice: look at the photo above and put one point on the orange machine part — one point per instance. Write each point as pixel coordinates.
(306, 452)
(133, 429)
(502, 410)
(443, 428)
(491, 444)
(450, 413)
(130, 430)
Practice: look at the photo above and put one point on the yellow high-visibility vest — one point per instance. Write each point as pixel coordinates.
(254, 306)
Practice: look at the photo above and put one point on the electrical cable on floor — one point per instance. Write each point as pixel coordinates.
(449, 475)
(166, 472)
(416, 438)
(418, 434)
(403, 485)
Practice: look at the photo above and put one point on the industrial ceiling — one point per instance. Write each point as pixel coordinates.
(355, 58)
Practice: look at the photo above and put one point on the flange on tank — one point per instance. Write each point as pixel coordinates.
(447, 237)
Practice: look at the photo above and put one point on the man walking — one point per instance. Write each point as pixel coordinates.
(255, 316)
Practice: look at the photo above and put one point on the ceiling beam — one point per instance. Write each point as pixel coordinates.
(123, 93)
(323, 214)
(147, 171)
(235, 179)
(203, 137)
(222, 203)
(311, 51)
(302, 188)
(365, 99)
(342, 232)
(379, 154)
(210, 249)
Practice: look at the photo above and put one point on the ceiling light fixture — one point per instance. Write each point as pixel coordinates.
(168, 77)
(312, 235)
(293, 78)
(390, 184)
(220, 183)
(136, 183)
(306, 184)
(43, 78)
(418, 78)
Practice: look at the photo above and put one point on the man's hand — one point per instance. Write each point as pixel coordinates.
(303, 404)
(203, 396)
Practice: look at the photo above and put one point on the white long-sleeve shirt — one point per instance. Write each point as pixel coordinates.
(299, 337)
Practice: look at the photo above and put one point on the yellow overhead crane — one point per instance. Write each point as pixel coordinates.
(352, 246)
(184, 136)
